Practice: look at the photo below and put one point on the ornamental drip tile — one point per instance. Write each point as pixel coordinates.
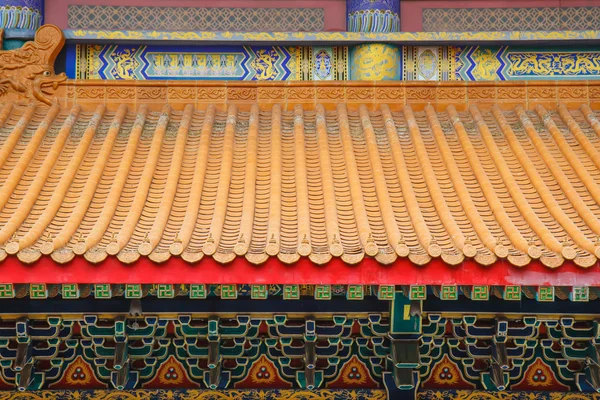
(349, 183)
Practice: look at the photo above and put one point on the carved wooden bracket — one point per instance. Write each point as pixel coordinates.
(29, 71)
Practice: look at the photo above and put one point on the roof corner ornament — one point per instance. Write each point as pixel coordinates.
(29, 71)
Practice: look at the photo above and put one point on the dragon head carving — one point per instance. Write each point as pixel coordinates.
(29, 71)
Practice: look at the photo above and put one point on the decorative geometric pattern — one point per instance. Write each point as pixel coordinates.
(196, 19)
(510, 19)
(449, 292)
(580, 293)
(545, 293)
(198, 291)
(102, 291)
(70, 291)
(133, 291)
(512, 293)
(38, 291)
(286, 38)
(7, 291)
(323, 292)
(418, 292)
(319, 292)
(480, 293)
(165, 292)
(386, 292)
(229, 292)
(355, 292)
(124, 62)
(259, 292)
(291, 292)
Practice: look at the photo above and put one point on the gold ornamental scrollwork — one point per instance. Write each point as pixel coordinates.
(231, 394)
(29, 70)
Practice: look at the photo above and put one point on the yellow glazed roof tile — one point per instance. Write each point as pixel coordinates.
(485, 184)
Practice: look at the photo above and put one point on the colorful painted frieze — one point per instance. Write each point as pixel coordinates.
(366, 61)
(259, 63)
(476, 63)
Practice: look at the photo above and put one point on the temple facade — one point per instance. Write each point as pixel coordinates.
(333, 199)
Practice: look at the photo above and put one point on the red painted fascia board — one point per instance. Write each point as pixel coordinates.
(240, 271)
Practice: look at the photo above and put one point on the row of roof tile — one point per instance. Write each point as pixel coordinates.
(487, 185)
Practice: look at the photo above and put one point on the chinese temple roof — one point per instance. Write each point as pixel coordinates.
(265, 181)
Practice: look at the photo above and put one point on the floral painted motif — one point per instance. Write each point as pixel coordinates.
(539, 376)
(171, 374)
(354, 374)
(263, 374)
(446, 374)
(79, 374)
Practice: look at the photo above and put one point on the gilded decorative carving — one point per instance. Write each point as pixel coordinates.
(182, 93)
(511, 93)
(330, 93)
(121, 93)
(481, 93)
(241, 94)
(541, 92)
(451, 93)
(301, 93)
(29, 71)
(478, 395)
(231, 394)
(151, 93)
(360, 93)
(389, 93)
(211, 94)
(420, 93)
(271, 93)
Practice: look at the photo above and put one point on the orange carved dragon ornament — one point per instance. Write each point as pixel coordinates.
(29, 71)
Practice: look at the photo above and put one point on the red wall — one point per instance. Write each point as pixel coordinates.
(335, 10)
(412, 10)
